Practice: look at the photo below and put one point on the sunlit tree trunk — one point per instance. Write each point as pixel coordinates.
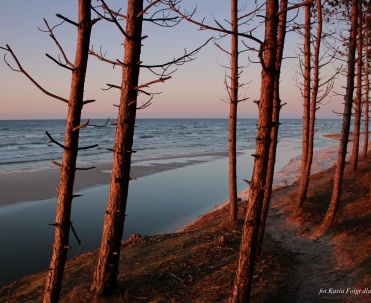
(275, 123)
(358, 99)
(105, 276)
(233, 115)
(367, 80)
(244, 274)
(306, 103)
(305, 176)
(68, 168)
(336, 192)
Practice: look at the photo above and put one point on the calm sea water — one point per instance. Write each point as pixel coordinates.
(24, 145)
(158, 203)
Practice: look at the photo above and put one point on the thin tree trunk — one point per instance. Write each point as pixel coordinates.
(65, 193)
(358, 99)
(366, 112)
(233, 115)
(304, 179)
(306, 104)
(336, 192)
(367, 101)
(243, 280)
(105, 276)
(275, 123)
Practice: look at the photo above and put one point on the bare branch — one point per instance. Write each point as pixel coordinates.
(102, 57)
(111, 86)
(81, 126)
(58, 62)
(56, 142)
(113, 18)
(104, 125)
(67, 20)
(181, 60)
(152, 82)
(148, 7)
(308, 2)
(188, 17)
(51, 34)
(21, 70)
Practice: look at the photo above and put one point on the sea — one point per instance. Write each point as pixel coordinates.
(158, 203)
(24, 145)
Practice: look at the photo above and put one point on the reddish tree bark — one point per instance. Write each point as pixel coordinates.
(307, 100)
(275, 123)
(105, 276)
(340, 164)
(246, 262)
(305, 175)
(358, 98)
(233, 114)
(68, 168)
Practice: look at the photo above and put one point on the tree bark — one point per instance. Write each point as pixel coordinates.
(275, 123)
(336, 192)
(243, 280)
(358, 99)
(233, 114)
(307, 101)
(304, 179)
(105, 276)
(367, 101)
(65, 193)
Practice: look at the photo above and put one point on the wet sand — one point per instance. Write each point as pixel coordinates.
(39, 185)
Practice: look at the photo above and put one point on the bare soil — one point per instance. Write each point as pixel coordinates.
(198, 265)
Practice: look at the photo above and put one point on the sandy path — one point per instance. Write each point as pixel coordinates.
(317, 277)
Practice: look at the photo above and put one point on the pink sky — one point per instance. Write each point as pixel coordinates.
(195, 91)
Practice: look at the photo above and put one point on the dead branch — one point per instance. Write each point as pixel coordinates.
(51, 34)
(104, 125)
(102, 57)
(187, 57)
(67, 20)
(113, 18)
(21, 70)
(87, 101)
(188, 17)
(111, 86)
(148, 7)
(59, 63)
(56, 142)
(75, 234)
(88, 147)
(152, 82)
(308, 2)
(81, 126)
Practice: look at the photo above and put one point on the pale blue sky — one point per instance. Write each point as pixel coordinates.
(195, 90)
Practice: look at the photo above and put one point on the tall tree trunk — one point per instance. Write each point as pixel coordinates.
(367, 101)
(233, 115)
(306, 103)
(105, 276)
(358, 99)
(305, 176)
(243, 280)
(275, 123)
(68, 168)
(336, 192)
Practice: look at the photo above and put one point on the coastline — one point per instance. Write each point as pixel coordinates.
(27, 186)
(323, 159)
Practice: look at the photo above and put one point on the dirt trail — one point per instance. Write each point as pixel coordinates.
(317, 277)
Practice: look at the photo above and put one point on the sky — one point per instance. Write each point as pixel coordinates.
(196, 89)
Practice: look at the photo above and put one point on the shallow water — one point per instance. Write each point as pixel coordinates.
(160, 203)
